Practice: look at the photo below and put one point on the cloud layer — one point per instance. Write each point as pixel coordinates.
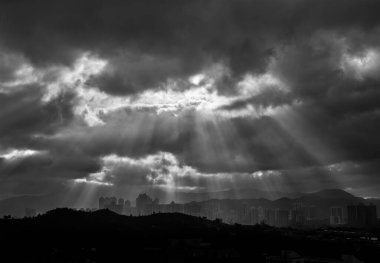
(189, 95)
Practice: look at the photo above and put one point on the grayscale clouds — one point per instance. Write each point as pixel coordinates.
(189, 95)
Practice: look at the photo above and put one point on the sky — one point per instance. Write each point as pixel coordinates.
(121, 97)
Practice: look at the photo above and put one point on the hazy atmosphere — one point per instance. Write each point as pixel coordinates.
(172, 97)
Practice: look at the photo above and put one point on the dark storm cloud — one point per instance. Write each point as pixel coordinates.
(25, 120)
(360, 177)
(23, 115)
(301, 43)
(44, 171)
(9, 63)
(134, 134)
(183, 35)
(131, 73)
(228, 145)
(350, 136)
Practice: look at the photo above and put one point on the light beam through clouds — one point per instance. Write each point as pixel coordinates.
(195, 96)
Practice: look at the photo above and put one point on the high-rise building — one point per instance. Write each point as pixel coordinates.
(361, 215)
(144, 204)
(261, 214)
(282, 218)
(127, 208)
(101, 202)
(311, 213)
(253, 216)
(120, 206)
(336, 215)
(298, 214)
(270, 216)
(111, 203)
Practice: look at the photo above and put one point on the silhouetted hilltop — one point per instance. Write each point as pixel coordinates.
(329, 194)
(65, 220)
(67, 235)
(105, 217)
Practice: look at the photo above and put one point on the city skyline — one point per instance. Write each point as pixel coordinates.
(333, 207)
(298, 213)
(190, 131)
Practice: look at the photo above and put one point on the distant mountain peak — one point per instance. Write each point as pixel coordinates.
(332, 193)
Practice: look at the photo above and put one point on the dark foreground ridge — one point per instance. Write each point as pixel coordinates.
(65, 235)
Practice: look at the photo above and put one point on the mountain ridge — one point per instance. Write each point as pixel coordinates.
(324, 198)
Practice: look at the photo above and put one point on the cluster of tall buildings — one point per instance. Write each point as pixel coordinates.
(361, 215)
(237, 211)
(228, 211)
(113, 204)
(299, 214)
(145, 205)
(337, 215)
(355, 215)
(244, 212)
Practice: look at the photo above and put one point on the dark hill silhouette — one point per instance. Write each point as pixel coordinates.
(329, 194)
(66, 216)
(65, 235)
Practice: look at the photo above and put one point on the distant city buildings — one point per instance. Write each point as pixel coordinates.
(293, 257)
(111, 203)
(146, 205)
(336, 216)
(298, 214)
(243, 212)
(361, 215)
(282, 218)
(354, 215)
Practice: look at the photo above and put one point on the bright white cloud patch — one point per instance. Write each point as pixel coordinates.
(197, 79)
(18, 154)
(164, 170)
(204, 96)
(366, 64)
(171, 97)
(76, 76)
(199, 94)
(24, 75)
(95, 178)
(260, 174)
(254, 85)
(161, 169)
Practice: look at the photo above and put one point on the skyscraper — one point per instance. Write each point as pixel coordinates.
(144, 204)
(336, 216)
(361, 215)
